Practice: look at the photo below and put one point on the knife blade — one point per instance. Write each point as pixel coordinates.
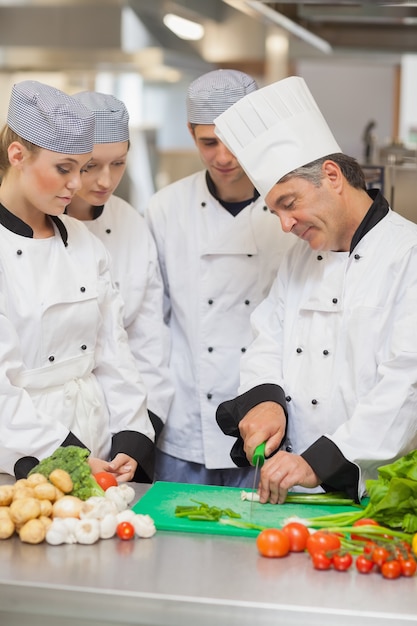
(258, 460)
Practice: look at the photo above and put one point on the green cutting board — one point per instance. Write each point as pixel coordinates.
(162, 498)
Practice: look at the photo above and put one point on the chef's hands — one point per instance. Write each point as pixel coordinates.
(282, 472)
(265, 422)
(122, 466)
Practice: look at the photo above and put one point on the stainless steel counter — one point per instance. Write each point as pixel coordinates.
(178, 579)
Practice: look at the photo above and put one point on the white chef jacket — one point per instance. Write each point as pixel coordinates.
(135, 271)
(65, 364)
(338, 333)
(216, 269)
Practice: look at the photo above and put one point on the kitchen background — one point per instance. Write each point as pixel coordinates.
(359, 60)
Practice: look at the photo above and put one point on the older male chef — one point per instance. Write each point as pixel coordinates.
(330, 378)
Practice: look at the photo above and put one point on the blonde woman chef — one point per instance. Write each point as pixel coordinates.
(125, 234)
(67, 374)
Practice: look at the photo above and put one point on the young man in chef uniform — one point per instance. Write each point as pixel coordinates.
(330, 378)
(219, 249)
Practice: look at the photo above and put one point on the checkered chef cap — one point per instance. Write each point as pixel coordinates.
(274, 131)
(112, 117)
(211, 94)
(50, 119)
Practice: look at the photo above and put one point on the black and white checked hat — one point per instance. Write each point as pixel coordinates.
(213, 93)
(50, 119)
(112, 117)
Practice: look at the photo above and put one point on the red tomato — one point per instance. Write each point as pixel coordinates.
(391, 569)
(363, 564)
(369, 547)
(365, 521)
(342, 561)
(105, 480)
(380, 555)
(322, 541)
(408, 567)
(298, 534)
(125, 531)
(321, 560)
(273, 542)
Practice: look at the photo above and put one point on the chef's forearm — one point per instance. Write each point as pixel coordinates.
(139, 447)
(335, 471)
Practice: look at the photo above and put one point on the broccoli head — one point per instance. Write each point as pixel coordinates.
(73, 460)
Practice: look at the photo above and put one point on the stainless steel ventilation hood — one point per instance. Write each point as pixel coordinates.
(56, 35)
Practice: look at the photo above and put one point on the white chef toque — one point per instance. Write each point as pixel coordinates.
(112, 117)
(274, 131)
(50, 119)
(212, 93)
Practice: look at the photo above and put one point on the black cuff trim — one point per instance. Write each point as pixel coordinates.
(140, 448)
(23, 466)
(157, 424)
(72, 440)
(231, 412)
(336, 473)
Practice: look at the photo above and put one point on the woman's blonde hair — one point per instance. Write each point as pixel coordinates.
(8, 136)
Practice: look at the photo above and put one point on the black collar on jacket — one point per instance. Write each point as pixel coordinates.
(19, 227)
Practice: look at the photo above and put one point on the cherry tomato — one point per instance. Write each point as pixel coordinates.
(321, 560)
(408, 567)
(297, 534)
(273, 542)
(380, 555)
(125, 531)
(369, 547)
(391, 569)
(322, 541)
(342, 561)
(105, 480)
(363, 564)
(365, 521)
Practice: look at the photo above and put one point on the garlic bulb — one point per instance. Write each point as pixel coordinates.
(108, 525)
(58, 532)
(144, 526)
(98, 508)
(87, 531)
(127, 492)
(114, 495)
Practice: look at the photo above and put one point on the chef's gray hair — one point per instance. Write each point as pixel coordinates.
(313, 171)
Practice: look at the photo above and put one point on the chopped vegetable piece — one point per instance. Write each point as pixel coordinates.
(204, 512)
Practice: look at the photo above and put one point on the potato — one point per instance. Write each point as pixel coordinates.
(6, 494)
(23, 492)
(24, 509)
(7, 527)
(46, 507)
(33, 531)
(21, 482)
(46, 521)
(36, 479)
(45, 491)
(59, 494)
(61, 479)
(5, 511)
